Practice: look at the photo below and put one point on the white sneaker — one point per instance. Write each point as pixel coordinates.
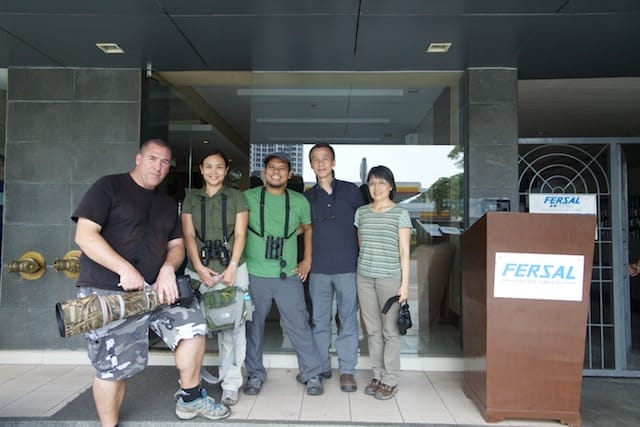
(204, 406)
(229, 397)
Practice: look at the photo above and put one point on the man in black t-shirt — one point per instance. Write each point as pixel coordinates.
(131, 237)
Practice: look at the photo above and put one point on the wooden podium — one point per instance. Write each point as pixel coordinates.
(524, 356)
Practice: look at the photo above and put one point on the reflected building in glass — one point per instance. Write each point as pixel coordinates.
(258, 152)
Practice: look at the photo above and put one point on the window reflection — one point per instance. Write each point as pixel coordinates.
(430, 186)
(409, 122)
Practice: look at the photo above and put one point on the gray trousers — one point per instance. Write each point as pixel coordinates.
(382, 329)
(289, 297)
(321, 289)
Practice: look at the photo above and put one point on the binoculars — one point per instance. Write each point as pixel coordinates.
(215, 249)
(274, 247)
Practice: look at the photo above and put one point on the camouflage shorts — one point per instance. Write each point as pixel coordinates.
(120, 349)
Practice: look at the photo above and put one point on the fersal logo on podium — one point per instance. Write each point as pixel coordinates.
(538, 276)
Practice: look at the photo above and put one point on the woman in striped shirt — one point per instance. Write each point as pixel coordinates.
(384, 234)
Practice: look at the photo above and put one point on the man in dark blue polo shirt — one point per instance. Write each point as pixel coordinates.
(334, 260)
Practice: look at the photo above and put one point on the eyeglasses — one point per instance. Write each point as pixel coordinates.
(378, 183)
(283, 264)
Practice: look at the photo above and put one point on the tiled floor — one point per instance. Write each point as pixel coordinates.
(40, 390)
(423, 397)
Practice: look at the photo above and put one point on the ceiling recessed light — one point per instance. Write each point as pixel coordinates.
(110, 47)
(438, 47)
(337, 92)
(297, 120)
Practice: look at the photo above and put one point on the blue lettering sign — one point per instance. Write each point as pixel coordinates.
(555, 201)
(539, 271)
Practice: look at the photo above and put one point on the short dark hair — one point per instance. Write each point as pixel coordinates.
(156, 141)
(215, 152)
(383, 172)
(323, 145)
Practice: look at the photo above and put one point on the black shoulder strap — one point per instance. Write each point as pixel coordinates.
(389, 303)
(286, 217)
(261, 233)
(225, 236)
(203, 214)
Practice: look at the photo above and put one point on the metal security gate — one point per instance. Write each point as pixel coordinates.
(583, 169)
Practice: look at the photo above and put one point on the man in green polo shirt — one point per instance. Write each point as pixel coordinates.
(275, 215)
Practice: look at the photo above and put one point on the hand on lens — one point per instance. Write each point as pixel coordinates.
(131, 280)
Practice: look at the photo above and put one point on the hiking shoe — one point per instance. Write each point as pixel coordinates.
(348, 383)
(204, 406)
(229, 397)
(372, 387)
(326, 375)
(314, 386)
(253, 386)
(385, 392)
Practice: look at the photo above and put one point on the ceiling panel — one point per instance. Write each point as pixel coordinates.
(583, 46)
(399, 43)
(543, 39)
(119, 7)
(454, 7)
(258, 7)
(494, 40)
(16, 52)
(599, 6)
(70, 40)
(301, 42)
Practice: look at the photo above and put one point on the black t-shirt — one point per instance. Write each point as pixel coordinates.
(123, 209)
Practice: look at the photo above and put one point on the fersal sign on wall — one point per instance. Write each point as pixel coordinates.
(538, 276)
(563, 203)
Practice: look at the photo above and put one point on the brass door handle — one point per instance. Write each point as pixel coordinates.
(69, 264)
(31, 265)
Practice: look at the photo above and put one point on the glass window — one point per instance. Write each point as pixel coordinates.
(409, 122)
